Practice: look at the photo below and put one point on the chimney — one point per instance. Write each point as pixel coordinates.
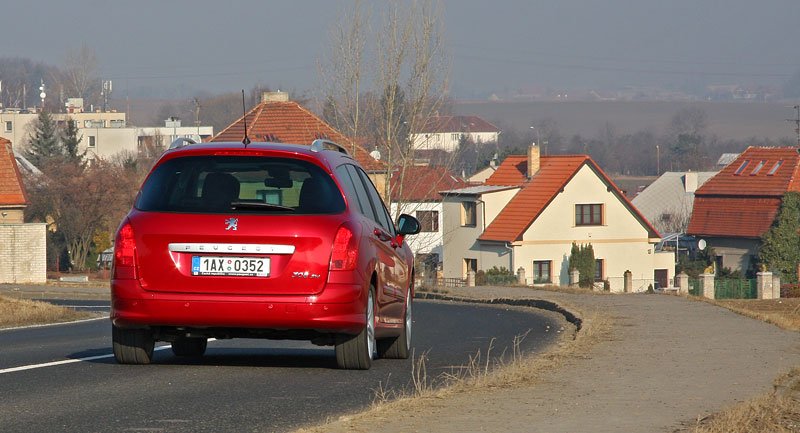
(274, 96)
(690, 181)
(533, 160)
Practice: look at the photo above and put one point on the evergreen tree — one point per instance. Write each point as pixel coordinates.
(582, 258)
(780, 245)
(70, 141)
(43, 143)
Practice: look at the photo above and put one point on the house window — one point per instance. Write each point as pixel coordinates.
(428, 220)
(541, 272)
(468, 218)
(598, 269)
(742, 167)
(9, 126)
(455, 137)
(91, 141)
(775, 168)
(588, 214)
(470, 265)
(758, 168)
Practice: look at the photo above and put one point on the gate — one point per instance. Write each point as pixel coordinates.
(735, 289)
(694, 287)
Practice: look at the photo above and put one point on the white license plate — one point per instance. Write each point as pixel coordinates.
(234, 266)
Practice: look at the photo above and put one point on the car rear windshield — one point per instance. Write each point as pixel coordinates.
(225, 184)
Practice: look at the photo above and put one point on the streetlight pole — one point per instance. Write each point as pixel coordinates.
(658, 160)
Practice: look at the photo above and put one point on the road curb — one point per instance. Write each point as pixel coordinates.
(533, 303)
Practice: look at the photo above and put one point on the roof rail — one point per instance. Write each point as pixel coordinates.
(321, 144)
(180, 142)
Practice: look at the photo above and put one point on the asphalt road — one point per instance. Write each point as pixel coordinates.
(62, 378)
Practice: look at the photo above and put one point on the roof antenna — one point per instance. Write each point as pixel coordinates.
(246, 139)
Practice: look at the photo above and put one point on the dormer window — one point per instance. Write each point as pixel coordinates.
(742, 167)
(775, 168)
(758, 167)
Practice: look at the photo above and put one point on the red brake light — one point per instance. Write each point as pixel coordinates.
(344, 253)
(125, 253)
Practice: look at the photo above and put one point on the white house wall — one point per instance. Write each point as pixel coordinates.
(622, 242)
(460, 242)
(422, 242)
(449, 140)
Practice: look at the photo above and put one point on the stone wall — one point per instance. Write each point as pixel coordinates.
(23, 253)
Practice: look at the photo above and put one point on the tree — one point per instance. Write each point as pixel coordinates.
(780, 245)
(80, 74)
(686, 138)
(581, 257)
(80, 203)
(70, 141)
(407, 78)
(43, 143)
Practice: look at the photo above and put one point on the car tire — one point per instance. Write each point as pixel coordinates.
(190, 346)
(132, 346)
(399, 347)
(355, 352)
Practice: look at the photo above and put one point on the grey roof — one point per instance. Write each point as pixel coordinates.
(726, 158)
(477, 190)
(668, 194)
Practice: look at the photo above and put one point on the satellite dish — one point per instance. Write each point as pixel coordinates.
(701, 244)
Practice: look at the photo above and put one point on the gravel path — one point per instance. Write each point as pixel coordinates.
(670, 360)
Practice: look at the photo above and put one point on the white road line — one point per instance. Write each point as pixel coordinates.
(72, 361)
(44, 325)
(66, 361)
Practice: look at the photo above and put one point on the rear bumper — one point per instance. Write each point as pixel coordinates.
(338, 309)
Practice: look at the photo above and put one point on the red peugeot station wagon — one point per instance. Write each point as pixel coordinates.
(263, 240)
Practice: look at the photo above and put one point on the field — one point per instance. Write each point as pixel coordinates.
(726, 120)
(22, 312)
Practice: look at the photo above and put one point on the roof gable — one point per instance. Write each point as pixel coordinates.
(289, 122)
(12, 191)
(554, 174)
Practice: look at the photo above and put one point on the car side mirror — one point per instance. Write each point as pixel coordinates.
(407, 225)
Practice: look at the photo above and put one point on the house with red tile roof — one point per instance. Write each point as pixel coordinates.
(23, 254)
(739, 204)
(531, 210)
(277, 119)
(415, 191)
(12, 192)
(445, 132)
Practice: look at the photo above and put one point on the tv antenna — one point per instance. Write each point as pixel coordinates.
(796, 122)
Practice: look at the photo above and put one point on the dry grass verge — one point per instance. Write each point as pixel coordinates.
(785, 313)
(21, 312)
(480, 374)
(776, 412)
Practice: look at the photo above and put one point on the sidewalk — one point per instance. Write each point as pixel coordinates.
(669, 361)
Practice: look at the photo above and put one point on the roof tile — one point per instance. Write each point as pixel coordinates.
(12, 191)
(743, 199)
(289, 122)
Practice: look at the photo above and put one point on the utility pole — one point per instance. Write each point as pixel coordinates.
(197, 114)
(796, 122)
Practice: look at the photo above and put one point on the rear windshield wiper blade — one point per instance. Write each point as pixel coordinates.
(259, 205)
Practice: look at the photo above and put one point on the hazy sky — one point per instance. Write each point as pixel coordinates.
(496, 46)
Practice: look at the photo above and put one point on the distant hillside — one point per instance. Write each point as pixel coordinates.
(728, 120)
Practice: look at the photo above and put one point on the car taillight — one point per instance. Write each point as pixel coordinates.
(344, 253)
(125, 253)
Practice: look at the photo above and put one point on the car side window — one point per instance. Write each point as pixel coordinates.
(361, 193)
(383, 218)
(350, 188)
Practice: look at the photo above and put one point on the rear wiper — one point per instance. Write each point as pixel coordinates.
(259, 205)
